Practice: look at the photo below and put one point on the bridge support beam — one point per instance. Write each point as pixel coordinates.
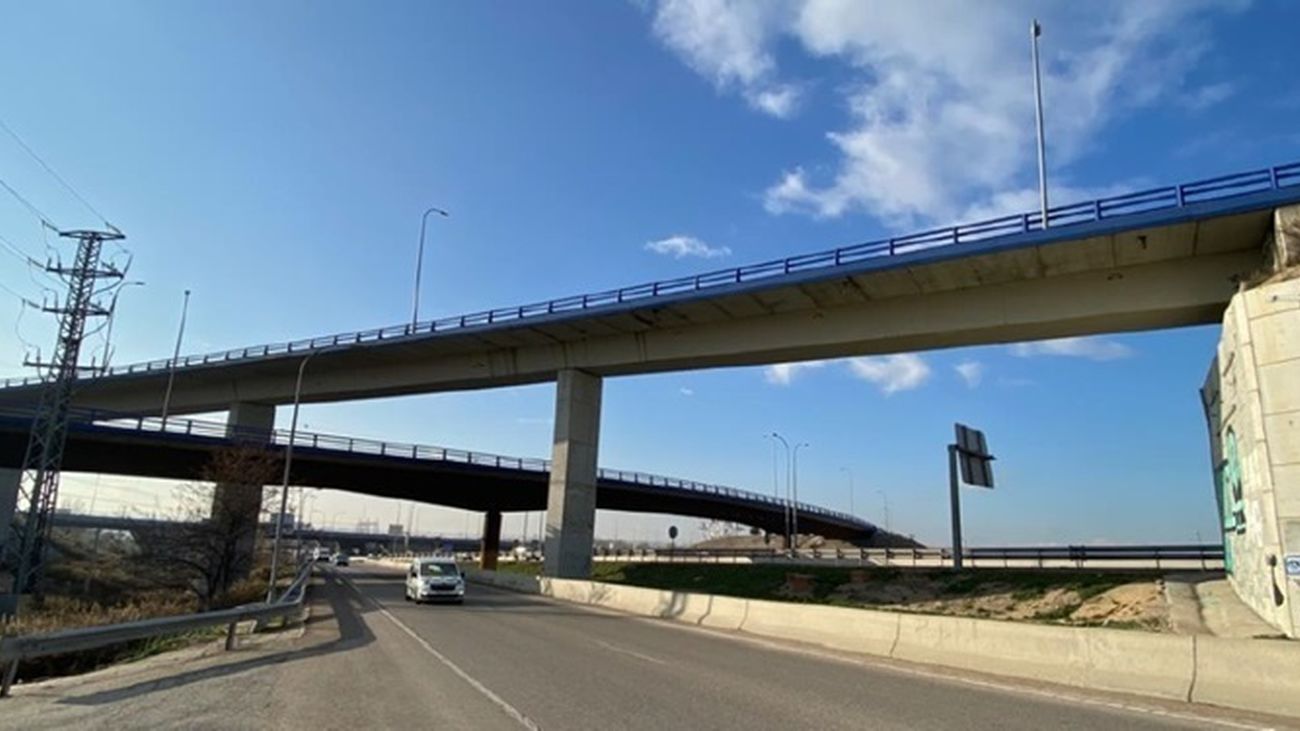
(571, 502)
(239, 505)
(491, 545)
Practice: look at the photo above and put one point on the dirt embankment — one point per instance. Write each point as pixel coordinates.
(1104, 600)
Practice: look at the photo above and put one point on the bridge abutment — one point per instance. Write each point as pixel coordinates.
(1252, 404)
(239, 504)
(490, 548)
(571, 502)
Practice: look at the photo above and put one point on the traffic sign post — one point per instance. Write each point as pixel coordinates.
(969, 461)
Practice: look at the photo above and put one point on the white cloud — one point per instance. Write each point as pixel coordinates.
(686, 391)
(1207, 96)
(782, 374)
(726, 42)
(971, 371)
(892, 373)
(940, 118)
(1099, 349)
(681, 246)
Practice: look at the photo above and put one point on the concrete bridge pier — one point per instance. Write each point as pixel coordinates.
(491, 545)
(571, 502)
(241, 503)
(9, 483)
(10, 479)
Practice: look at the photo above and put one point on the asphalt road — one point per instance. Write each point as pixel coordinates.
(558, 666)
(367, 659)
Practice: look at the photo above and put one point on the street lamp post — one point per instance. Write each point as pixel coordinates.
(176, 354)
(284, 482)
(850, 473)
(419, 262)
(1035, 30)
(112, 317)
(794, 482)
(786, 511)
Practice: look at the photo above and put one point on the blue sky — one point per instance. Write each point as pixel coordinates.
(275, 159)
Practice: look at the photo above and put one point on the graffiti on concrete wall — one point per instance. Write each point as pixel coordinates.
(1232, 505)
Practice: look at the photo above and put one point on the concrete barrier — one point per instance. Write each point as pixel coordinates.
(851, 630)
(1258, 674)
(1128, 661)
(709, 610)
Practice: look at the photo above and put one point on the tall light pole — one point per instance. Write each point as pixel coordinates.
(112, 317)
(885, 498)
(794, 483)
(176, 354)
(1035, 30)
(284, 482)
(774, 435)
(850, 473)
(419, 262)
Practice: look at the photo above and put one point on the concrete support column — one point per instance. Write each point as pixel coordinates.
(571, 502)
(9, 482)
(238, 505)
(491, 545)
(10, 478)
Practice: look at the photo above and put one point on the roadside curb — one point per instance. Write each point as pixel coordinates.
(1250, 674)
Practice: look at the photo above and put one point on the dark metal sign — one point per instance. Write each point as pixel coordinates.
(973, 457)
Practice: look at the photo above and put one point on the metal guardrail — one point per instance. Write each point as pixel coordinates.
(1206, 555)
(15, 649)
(309, 440)
(1109, 208)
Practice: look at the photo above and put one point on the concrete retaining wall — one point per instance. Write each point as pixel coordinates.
(1257, 675)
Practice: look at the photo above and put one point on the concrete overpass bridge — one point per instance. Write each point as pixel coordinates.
(1158, 258)
(492, 484)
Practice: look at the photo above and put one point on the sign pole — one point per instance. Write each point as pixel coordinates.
(954, 487)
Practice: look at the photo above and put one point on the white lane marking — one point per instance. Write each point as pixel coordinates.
(633, 653)
(501, 703)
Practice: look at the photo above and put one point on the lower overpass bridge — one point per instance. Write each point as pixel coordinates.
(493, 484)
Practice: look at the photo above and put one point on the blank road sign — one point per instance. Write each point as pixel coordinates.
(973, 456)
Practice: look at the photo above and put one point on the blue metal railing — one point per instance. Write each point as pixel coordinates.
(1109, 208)
(95, 418)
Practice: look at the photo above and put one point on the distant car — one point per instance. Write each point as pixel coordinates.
(320, 554)
(340, 559)
(435, 579)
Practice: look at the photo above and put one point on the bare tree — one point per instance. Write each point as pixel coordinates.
(211, 547)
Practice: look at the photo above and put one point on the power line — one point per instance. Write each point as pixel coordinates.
(16, 250)
(19, 295)
(66, 185)
(27, 204)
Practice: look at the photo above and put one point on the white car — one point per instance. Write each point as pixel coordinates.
(435, 579)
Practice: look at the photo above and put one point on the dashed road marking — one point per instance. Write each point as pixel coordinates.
(500, 702)
(633, 653)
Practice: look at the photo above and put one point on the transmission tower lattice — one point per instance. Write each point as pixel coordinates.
(39, 486)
